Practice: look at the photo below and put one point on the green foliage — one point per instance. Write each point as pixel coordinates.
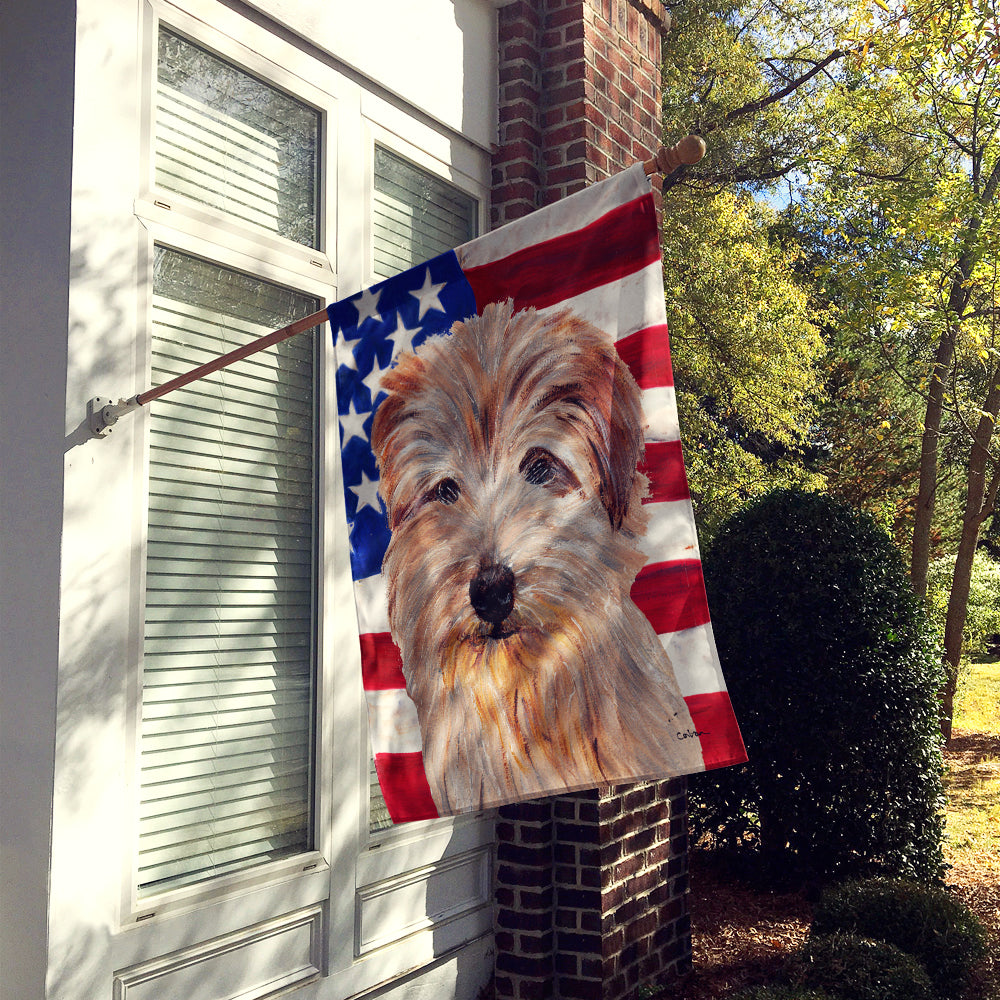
(877, 126)
(907, 185)
(983, 613)
(833, 673)
(724, 63)
(866, 435)
(782, 993)
(747, 356)
(857, 968)
(926, 922)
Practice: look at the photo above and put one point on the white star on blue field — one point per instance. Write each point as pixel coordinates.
(370, 330)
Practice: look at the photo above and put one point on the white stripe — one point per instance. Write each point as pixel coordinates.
(670, 534)
(373, 604)
(696, 662)
(564, 216)
(392, 720)
(621, 307)
(659, 410)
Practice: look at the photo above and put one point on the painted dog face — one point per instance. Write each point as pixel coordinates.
(508, 456)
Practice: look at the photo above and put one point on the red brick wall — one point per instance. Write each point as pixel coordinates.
(632, 840)
(591, 893)
(524, 902)
(579, 96)
(591, 888)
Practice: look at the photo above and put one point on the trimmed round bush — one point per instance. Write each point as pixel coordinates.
(926, 922)
(833, 671)
(857, 968)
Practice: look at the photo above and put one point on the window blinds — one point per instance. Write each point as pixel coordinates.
(227, 680)
(415, 216)
(225, 139)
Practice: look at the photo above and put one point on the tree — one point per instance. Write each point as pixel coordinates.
(747, 352)
(746, 76)
(914, 184)
(881, 123)
(866, 438)
(746, 355)
(982, 620)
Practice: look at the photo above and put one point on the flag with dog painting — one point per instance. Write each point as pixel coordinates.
(530, 601)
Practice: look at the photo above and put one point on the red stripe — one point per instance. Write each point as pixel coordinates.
(381, 662)
(672, 595)
(404, 786)
(715, 723)
(647, 355)
(663, 463)
(621, 242)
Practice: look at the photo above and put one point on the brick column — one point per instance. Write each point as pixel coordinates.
(517, 161)
(621, 882)
(524, 901)
(591, 888)
(591, 893)
(579, 96)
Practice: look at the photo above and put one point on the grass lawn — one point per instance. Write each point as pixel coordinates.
(978, 699)
(973, 811)
(973, 783)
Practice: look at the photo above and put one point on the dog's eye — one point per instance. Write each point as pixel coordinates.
(447, 491)
(538, 467)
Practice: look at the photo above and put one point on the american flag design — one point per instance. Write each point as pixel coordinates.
(597, 252)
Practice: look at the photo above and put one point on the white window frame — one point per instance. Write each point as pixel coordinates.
(388, 858)
(180, 224)
(399, 136)
(350, 875)
(195, 244)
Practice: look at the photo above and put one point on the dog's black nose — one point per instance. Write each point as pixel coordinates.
(492, 594)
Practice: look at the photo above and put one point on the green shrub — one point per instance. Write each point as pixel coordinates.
(782, 993)
(856, 968)
(982, 619)
(926, 922)
(833, 673)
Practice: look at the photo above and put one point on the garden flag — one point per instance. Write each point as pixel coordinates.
(529, 593)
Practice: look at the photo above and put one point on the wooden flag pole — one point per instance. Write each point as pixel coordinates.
(260, 344)
(103, 413)
(687, 152)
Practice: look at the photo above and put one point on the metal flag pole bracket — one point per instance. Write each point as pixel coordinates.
(103, 413)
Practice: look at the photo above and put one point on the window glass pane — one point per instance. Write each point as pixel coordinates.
(228, 140)
(228, 655)
(416, 216)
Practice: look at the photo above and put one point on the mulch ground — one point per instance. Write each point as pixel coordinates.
(742, 935)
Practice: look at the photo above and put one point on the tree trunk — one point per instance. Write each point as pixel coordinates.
(920, 553)
(980, 498)
(958, 299)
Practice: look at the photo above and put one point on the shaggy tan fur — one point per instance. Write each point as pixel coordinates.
(508, 454)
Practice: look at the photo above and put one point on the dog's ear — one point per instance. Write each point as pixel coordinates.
(387, 441)
(385, 422)
(618, 474)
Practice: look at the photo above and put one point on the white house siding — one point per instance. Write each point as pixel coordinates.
(407, 914)
(430, 53)
(36, 112)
